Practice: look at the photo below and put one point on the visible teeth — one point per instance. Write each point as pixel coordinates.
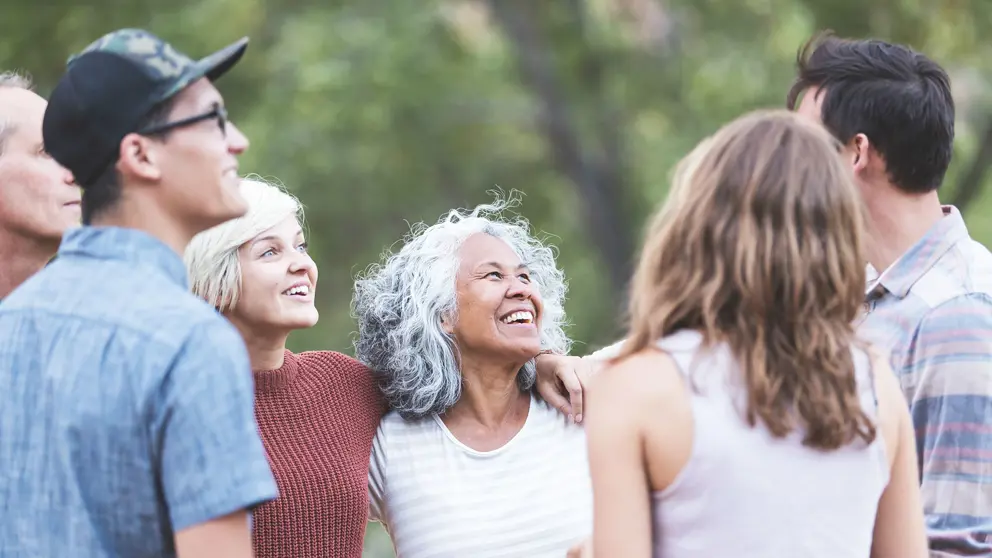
(301, 290)
(522, 316)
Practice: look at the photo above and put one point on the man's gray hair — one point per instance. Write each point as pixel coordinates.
(13, 80)
(399, 304)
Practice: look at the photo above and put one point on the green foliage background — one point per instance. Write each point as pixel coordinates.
(379, 113)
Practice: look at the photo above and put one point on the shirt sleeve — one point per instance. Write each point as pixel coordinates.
(946, 375)
(377, 478)
(209, 454)
(608, 352)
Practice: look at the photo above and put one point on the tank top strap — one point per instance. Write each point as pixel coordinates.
(864, 373)
(682, 346)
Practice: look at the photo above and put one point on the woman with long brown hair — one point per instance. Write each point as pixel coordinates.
(743, 415)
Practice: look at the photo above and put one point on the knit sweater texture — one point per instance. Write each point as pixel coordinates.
(317, 415)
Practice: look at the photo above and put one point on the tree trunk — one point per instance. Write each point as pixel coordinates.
(597, 175)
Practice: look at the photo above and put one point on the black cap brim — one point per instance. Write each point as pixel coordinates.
(210, 67)
(218, 63)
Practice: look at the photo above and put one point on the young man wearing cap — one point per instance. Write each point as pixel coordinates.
(38, 198)
(126, 409)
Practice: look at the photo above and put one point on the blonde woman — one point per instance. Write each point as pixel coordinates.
(317, 411)
(743, 411)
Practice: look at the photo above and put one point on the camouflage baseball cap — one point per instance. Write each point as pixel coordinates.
(110, 86)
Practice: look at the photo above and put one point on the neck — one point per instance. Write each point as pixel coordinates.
(146, 216)
(21, 258)
(490, 396)
(266, 352)
(897, 222)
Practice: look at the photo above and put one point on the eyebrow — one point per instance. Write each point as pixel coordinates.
(263, 239)
(500, 266)
(274, 237)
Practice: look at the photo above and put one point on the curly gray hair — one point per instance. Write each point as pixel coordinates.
(399, 304)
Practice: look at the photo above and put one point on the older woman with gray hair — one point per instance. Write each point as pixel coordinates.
(469, 462)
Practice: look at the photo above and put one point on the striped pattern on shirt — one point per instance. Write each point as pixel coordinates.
(441, 499)
(933, 309)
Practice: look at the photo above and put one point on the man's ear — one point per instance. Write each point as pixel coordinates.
(139, 157)
(861, 153)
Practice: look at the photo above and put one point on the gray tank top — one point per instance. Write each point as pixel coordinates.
(746, 494)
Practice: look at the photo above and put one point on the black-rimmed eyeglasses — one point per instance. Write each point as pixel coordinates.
(218, 113)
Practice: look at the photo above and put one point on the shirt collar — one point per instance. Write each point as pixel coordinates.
(125, 245)
(900, 277)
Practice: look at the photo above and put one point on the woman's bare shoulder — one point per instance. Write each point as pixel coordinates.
(649, 376)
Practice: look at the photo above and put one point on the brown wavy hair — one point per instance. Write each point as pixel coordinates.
(760, 245)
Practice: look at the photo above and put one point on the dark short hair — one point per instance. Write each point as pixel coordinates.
(898, 98)
(105, 191)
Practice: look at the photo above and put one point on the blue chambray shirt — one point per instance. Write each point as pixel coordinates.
(126, 405)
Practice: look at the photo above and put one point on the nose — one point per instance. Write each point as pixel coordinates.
(302, 263)
(520, 289)
(67, 177)
(237, 143)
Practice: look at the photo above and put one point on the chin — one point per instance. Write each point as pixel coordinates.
(526, 351)
(231, 204)
(235, 208)
(219, 216)
(72, 214)
(302, 320)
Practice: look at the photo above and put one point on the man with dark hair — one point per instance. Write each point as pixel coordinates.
(38, 198)
(929, 297)
(127, 424)
(930, 301)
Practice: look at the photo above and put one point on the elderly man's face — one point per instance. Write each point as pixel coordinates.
(499, 309)
(38, 197)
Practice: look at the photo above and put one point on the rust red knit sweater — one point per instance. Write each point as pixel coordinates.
(317, 416)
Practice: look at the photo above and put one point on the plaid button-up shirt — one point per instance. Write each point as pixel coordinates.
(933, 310)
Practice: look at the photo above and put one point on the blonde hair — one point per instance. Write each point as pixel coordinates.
(760, 246)
(212, 256)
